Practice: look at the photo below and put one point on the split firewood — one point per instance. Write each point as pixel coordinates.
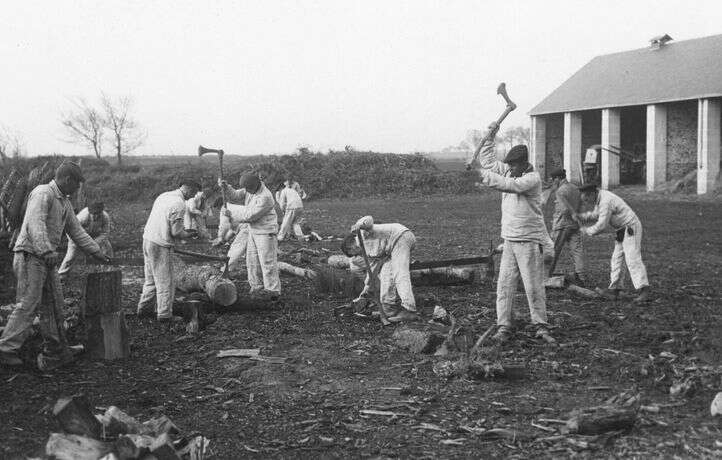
(162, 448)
(601, 419)
(420, 338)
(161, 425)
(239, 353)
(75, 416)
(63, 446)
(583, 292)
(126, 448)
(121, 423)
(297, 271)
(338, 261)
(190, 278)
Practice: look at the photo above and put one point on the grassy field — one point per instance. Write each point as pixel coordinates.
(336, 367)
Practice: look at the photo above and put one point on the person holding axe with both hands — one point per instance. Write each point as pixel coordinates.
(388, 248)
(522, 228)
(48, 215)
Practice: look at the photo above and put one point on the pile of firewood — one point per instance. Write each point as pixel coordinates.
(115, 435)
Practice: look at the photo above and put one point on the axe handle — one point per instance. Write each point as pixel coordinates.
(220, 172)
(370, 274)
(491, 134)
(562, 238)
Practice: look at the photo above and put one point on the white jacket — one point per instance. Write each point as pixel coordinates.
(521, 211)
(379, 239)
(260, 212)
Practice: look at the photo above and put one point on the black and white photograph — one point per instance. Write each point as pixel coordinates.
(338, 229)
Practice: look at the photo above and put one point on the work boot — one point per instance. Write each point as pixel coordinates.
(145, 312)
(391, 311)
(578, 280)
(643, 295)
(502, 335)
(609, 294)
(10, 358)
(404, 316)
(48, 362)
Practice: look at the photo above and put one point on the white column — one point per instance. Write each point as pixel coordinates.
(656, 146)
(538, 144)
(708, 144)
(573, 145)
(610, 137)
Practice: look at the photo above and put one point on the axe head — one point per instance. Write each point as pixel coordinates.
(203, 150)
(501, 89)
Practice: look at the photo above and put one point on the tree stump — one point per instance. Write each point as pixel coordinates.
(107, 333)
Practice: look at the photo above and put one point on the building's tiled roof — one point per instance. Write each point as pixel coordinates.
(689, 69)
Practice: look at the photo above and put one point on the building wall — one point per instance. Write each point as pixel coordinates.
(681, 138)
(554, 141)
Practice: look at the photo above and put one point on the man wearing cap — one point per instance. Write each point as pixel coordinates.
(262, 245)
(48, 215)
(96, 222)
(163, 230)
(564, 228)
(611, 212)
(523, 231)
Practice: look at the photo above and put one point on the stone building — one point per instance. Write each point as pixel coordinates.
(661, 102)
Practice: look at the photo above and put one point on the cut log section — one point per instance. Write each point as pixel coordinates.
(443, 276)
(597, 420)
(73, 447)
(191, 278)
(106, 329)
(75, 416)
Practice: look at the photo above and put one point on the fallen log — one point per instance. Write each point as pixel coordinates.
(117, 422)
(191, 278)
(297, 271)
(601, 419)
(63, 446)
(443, 276)
(75, 416)
(588, 293)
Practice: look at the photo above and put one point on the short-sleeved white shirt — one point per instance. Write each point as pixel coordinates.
(167, 208)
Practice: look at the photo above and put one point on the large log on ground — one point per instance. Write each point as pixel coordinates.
(73, 447)
(106, 330)
(597, 420)
(205, 278)
(75, 416)
(445, 276)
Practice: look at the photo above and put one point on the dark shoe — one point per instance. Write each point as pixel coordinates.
(51, 362)
(502, 335)
(170, 319)
(404, 316)
(578, 280)
(145, 312)
(609, 294)
(643, 296)
(9, 358)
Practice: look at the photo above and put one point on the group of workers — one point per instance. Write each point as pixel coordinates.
(249, 222)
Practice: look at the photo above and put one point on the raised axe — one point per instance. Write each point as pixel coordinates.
(202, 151)
(510, 106)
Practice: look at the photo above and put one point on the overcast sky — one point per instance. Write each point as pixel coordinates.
(268, 76)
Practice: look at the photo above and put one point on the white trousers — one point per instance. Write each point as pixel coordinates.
(576, 249)
(629, 251)
(395, 278)
(237, 251)
(525, 259)
(290, 224)
(159, 285)
(38, 292)
(73, 252)
(262, 262)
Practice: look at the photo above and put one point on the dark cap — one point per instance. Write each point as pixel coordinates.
(96, 207)
(70, 169)
(589, 187)
(249, 181)
(517, 154)
(558, 172)
(190, 182)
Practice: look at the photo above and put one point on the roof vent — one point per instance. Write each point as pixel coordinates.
(659, 41)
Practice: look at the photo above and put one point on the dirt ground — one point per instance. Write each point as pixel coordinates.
(335, 368)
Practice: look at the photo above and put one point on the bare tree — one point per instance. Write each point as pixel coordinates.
(85, 125)
(127, 134)
(11, 144)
